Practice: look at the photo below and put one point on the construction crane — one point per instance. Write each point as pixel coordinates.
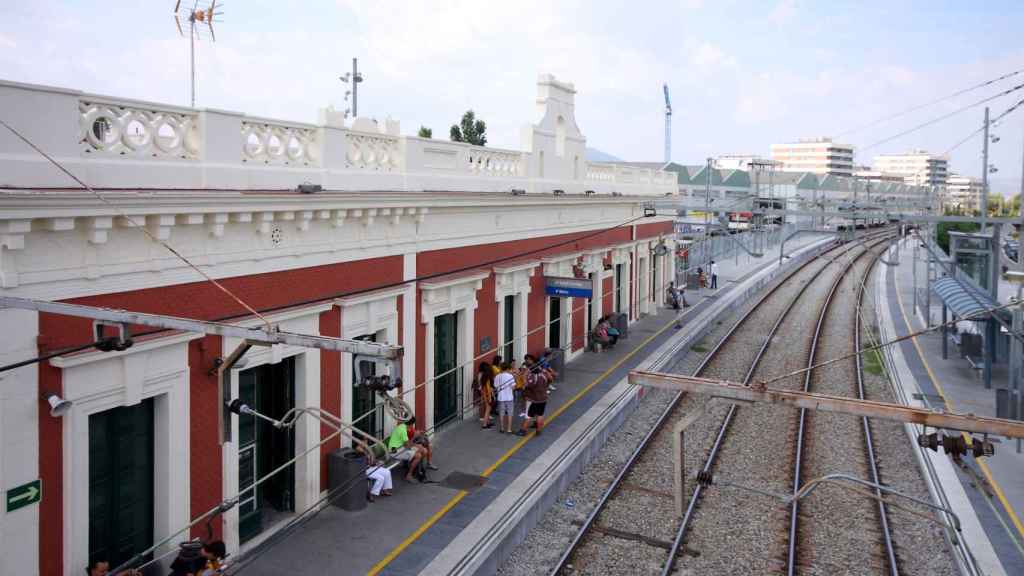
(668, 125)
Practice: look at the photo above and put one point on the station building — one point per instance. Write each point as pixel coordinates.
(367, 253)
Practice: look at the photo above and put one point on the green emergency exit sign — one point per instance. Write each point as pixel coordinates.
(21, 496)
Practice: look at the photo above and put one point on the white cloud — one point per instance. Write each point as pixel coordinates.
(783, 12)
(7, 42)
(707, 56)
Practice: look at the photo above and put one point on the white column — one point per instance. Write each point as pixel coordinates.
(523, 301)
(307, 429)
(428, 375)
(19, 430)
(409, 326)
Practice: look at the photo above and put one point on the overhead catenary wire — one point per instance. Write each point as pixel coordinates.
(943, 117)
(977, 131)
(928, 104)
(132, 221)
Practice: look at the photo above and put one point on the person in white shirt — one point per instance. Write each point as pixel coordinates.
(714, 275)
(504, 385)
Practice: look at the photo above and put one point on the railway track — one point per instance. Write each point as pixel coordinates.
(860, 521)
(629, 495)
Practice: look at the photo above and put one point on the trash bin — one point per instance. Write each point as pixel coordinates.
(621, 323)
(345, 468)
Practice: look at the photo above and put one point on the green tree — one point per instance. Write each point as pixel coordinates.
(425, 132)
(944, 228)
(470, 130)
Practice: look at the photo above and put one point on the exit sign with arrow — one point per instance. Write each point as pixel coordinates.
(21, 496)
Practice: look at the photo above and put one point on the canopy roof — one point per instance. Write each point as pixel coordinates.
(965, 300)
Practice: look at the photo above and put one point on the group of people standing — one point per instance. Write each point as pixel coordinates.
(502, 388)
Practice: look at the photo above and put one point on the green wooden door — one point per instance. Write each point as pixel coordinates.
(510, 328)
(619, 271)
(446, 388)
(268, 389)
(555, 326)
(121, 482)
(365, 400)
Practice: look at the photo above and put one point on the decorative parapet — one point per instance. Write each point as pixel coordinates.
(494, 162)
(170, 147)
(600, 172)
(279, 143)
(122, 129)
(369, 151)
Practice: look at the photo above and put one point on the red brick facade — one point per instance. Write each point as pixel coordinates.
(202, 300)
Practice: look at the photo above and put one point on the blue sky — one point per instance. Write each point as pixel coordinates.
(742, 74)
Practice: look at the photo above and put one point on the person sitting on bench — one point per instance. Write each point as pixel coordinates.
(410, 450)
(379, 474)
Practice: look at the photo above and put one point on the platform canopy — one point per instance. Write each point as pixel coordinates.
(965, 300)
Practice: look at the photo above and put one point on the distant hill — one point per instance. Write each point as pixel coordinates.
(595, 155)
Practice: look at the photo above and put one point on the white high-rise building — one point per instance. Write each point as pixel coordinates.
(918, 167)
(817, 155)
(962, 192)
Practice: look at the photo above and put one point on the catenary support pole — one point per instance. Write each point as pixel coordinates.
(984, 174)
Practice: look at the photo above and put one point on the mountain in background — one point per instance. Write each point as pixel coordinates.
(595, 155)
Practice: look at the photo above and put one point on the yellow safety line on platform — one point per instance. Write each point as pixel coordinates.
(942, 394)
(518, 445)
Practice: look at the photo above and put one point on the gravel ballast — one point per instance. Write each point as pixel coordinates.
(734, 531)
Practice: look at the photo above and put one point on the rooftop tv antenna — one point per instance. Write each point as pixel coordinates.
(196, 19)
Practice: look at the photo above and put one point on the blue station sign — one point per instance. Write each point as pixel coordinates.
(574, 287)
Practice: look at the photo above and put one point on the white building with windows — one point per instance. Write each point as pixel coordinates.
(919, 167)
(815, 155)
(963, 193)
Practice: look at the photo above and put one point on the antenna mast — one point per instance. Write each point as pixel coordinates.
(668, 125)
(355, 76)
(193, 17)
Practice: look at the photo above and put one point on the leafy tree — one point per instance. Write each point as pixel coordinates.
(425, 132)
(944, 228)
(470, 130)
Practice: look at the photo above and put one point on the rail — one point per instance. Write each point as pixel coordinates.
(802, 429)
(635, 456)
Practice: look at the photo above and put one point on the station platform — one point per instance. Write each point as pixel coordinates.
(418, 529)
(993, 487)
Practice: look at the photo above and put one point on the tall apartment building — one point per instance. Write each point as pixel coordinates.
(817, 155)
(962, 192)
(866, 173)
(918, 167)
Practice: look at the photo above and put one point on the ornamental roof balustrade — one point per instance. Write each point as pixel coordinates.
(132, 144)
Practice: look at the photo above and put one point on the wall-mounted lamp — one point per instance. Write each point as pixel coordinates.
(58, 406)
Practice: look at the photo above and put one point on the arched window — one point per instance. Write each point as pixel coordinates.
(576, 168)
(540, 161)
(560, 137)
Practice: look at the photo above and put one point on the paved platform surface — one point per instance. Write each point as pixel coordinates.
(994, 485)
(403, 533)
